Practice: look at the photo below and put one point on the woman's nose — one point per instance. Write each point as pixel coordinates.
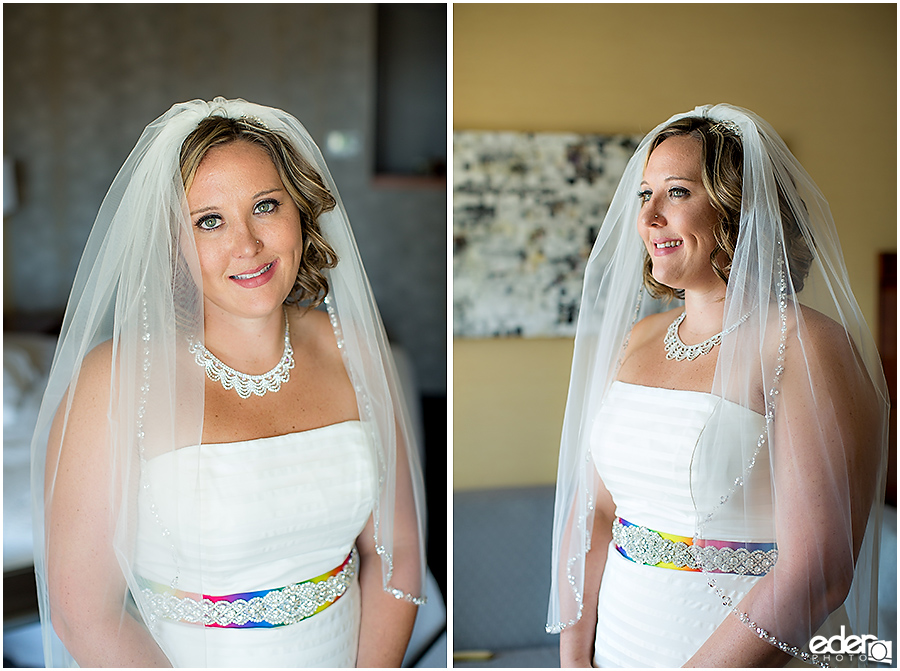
(246, 243)
(651, 216)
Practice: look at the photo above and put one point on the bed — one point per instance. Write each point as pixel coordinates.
(26, 366)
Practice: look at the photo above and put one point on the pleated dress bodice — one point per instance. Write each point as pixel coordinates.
(230, 518)
(669, 458)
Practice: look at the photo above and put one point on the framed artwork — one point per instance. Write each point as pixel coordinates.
(527, 208)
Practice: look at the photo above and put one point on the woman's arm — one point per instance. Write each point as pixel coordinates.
(825, 463)
(576, 642)
(85, 583)
(387, 622)
(733, 645)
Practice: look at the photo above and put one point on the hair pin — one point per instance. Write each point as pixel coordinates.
(728, 126)
(254, 120)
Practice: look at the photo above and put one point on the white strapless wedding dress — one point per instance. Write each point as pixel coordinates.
(652, 451)
(253, 516)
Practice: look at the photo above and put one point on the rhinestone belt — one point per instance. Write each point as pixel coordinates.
(653, 548)
(266, 608)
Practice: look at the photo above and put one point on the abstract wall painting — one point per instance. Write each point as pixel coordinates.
(527, 208)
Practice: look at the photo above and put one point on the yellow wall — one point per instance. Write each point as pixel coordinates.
(823, 75)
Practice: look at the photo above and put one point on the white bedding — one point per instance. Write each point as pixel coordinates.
(26, 365)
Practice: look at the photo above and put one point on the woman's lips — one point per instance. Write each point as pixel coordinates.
(257, 277)
(663, 247)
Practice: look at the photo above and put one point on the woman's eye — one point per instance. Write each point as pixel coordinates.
(644, 195)
(678, 192)
(209, 223)
(266, 206)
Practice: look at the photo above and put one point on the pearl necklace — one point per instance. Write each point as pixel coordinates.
(678, 351)
(243, 383)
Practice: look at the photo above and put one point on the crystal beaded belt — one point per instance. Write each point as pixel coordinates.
(266, 608)
(654, 548)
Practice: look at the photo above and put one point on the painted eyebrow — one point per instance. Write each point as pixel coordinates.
(674, 178)
(254, 197)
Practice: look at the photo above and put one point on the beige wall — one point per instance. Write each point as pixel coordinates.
(823, 75)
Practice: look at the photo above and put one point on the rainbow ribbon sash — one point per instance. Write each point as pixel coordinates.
(683, 553)
(265, 608)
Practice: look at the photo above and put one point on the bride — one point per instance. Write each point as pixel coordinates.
(722, 465)
(224, 474)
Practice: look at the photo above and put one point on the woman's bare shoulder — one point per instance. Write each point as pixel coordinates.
(823, 345)
(96, 370)
(820, 325)
(819, 332)
(83, 409)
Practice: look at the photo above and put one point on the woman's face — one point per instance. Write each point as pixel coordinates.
(247, 231)
(676, 218)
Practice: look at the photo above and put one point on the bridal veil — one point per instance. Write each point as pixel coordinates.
(803, 358)
(138, 290)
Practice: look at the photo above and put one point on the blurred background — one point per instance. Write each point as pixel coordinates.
(824, 75)
(81, 82)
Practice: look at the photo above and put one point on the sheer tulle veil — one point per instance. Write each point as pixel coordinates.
(138, 292)
(803, 358)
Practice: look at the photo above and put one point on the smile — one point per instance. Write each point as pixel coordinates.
(670, 243)
(256, 273)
